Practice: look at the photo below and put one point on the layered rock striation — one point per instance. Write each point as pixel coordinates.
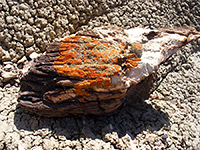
(89, 72)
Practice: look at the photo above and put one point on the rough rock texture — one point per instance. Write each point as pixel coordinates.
(168, 119)
(89, 72)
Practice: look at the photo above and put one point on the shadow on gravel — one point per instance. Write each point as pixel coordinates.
(132, 118)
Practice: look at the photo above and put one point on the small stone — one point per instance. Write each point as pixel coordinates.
(164, 136)
(41, 22)
(174, 127)
(23, 6)
(19, 51)
(49, 143)
(151, 138)
(37, 140)
(71, 28)
(31, 21)
(38, 41)
(112, 138)
(22, 60)
(29, 40)
(4, 55)
(34, 55)
(29, 51)
(10, 19)
(8, 67)
(8, 40)
(5, 127)
(8, 75)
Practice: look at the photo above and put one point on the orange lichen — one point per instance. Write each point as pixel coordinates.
(132, 63)
(183, 40)
(136, 49)
(81, 100)
(137, 46)
(89, 59)
(82, 87)
(196, 36)
(80, 58)
(121, 46)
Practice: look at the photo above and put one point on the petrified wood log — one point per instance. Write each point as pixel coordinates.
(90, 72)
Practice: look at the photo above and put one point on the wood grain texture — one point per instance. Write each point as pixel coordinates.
(90, 72)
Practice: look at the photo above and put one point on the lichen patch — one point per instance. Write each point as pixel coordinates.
(94, 61)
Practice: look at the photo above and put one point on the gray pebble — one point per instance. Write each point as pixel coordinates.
(34, 55)
(10, 19)
(164, 136)
(41, 22)
(23, 6)
(4, 55)
(29, 40)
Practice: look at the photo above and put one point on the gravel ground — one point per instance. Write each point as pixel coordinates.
(168, 119)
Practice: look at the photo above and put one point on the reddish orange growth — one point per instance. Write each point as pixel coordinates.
(86, 58)
(132, 63)
(196, 36)
(137, 46)
(81, 100)
(184, 40)
(90, 59)
(80, 88)
(122, 46)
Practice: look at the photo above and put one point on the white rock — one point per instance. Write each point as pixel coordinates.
(4, 55)
(22, 60)
(8, 67)
(34, 55)
(49, 143)
(8, 75)
(23, 6)
(9, 19)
